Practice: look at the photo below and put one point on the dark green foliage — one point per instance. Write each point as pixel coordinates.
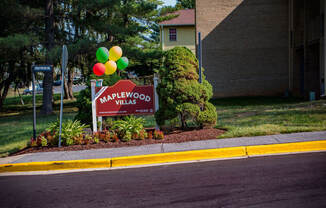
(180, 93)
(185, 4)
(84, 105)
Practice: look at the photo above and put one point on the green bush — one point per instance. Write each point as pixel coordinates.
(158, 135)
(70, 130)
(44, 142)
(181, 96)
(128, 126)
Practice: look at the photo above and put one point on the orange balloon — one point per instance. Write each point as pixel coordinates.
(115, 53)
(110, 67)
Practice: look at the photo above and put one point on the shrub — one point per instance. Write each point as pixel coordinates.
(44, 142)
(52, 139)
(68, 141)
(96, 140)
(126, 137)
(39, 140)
(115, 137)
(150, 135)
(180, 94)
(108, 123)
(128, 127)
(70, 130)
(88, 139)
(158, 134)
(107, 136)
(78, 140)
(142, 134)
(33, 142)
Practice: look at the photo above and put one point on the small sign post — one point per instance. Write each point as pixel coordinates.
(156, 79)
(199, 57)
(64, 62)
(34, 105)
(37, 68)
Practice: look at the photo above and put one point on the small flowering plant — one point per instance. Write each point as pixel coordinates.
(158, 134)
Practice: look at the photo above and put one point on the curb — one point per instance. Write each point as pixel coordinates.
(229, 152)
(56, 165)
(194, 155)
(286, 148)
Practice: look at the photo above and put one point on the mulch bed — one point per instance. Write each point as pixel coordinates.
(176, 136)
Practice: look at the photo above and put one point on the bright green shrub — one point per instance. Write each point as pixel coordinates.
(44, 142)
(70, 130)
(180, 94)
(128, 126)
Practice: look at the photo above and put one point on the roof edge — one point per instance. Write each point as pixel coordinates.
(176, 24)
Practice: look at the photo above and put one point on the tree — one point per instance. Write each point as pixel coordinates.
(49, 45)
(125, 23)
(19, 41)
(185, 4)
(181, 96)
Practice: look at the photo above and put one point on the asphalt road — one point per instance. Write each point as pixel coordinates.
(277, 181)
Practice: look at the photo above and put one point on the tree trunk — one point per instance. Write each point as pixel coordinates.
(65, 87)
(6, 84)
(68, 85)
(183, 121)
(48, 76)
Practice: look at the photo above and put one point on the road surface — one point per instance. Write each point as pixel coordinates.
(275, 181)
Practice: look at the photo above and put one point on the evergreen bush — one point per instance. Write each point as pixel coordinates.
(180, 94)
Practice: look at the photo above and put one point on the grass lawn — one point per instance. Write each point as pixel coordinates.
(16, 131)
(265, 116)
(240, 116)
(16, 121)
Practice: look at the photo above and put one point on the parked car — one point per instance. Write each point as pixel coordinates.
(57, 83)
(38, 90)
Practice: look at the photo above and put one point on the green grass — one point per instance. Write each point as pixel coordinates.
(266, 116)
(16, 131)
(245, 116)
(16, 120)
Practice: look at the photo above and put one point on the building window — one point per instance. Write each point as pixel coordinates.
(173, 34)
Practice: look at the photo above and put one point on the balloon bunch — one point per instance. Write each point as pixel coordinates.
(109, 61)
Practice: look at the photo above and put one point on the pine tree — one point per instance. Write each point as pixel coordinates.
(19, 41)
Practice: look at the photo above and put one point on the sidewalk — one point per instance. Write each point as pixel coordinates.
(165, 148)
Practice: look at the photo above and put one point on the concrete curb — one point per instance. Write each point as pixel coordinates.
(195, 155)
(286, 148)
(56, 165)
(179, 156)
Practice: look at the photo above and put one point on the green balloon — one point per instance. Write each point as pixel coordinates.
(102, 54)
(122, 63)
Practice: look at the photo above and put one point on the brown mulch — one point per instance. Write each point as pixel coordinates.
(176, 136)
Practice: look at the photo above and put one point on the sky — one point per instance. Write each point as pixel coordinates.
(169, 2)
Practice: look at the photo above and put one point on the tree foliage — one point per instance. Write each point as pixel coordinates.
(181, 96)
(31, 31)
(19, 40)
(185, 4)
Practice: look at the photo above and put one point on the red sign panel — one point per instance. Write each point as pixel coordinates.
(124, 98)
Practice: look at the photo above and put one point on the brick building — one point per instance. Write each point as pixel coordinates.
(263, 47)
